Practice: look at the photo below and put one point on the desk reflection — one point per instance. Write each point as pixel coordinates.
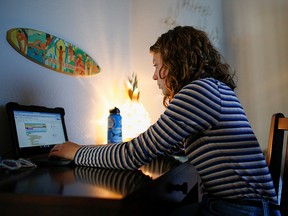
(110, 183)
(106, 183)
(85, 181)
(72, 190)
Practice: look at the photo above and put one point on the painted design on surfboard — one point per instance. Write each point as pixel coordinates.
(52, 52)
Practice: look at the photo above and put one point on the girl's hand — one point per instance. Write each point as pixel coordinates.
(66, 150)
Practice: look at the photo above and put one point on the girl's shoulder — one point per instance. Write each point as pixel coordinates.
(210, 83)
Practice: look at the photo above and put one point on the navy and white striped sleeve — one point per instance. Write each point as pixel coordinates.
(194, 109)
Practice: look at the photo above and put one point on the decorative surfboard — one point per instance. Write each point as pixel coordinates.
(52, 52)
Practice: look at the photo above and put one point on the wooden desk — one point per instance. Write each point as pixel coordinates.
(161, 185)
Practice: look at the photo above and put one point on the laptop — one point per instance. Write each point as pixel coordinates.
(35, 130)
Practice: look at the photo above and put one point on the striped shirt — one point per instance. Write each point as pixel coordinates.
(208, 119)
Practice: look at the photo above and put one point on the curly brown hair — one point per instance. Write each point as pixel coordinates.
(189, 55)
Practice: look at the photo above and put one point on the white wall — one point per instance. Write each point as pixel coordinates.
(257, 47)
(116, 33)
(101, 28)
(150, 19)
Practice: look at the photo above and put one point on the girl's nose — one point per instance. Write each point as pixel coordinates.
(154, 77)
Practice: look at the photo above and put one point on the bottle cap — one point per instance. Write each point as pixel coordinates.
(114, 111)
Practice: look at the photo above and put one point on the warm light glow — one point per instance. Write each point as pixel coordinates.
(135, 119)
(153, 175)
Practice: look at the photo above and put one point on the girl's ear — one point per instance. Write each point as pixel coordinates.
(164, 72)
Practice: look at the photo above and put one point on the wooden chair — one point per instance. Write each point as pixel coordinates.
(276, 160)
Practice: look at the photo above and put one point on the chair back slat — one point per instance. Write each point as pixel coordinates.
(284, 196)
(283, 123)
(274, 158)
(275, 149)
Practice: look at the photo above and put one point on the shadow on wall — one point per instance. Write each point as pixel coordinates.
(6, 148)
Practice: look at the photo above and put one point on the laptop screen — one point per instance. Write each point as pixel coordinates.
(38, 128)
(35, 129)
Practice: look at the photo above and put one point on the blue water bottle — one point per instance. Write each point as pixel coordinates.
(114, 126)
